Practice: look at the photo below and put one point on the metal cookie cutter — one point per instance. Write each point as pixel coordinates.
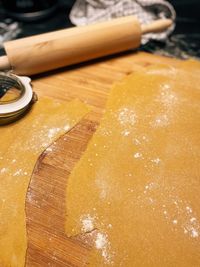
(16, 96)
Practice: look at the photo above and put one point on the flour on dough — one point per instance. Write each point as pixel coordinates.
(138, 182)
(21, 143)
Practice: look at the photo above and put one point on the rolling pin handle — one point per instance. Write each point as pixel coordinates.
(156, 26)
(4, 63)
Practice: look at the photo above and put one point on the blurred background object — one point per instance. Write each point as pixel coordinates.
(88, 11)
(185, 40)
(9, 30)
(29, 10)
(53, 15)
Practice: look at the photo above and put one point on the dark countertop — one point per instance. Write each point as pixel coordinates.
(184, 42)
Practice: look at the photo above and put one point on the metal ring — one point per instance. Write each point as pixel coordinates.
(11, 110)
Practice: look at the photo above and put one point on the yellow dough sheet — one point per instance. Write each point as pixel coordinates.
(138, 183)
(21, 144)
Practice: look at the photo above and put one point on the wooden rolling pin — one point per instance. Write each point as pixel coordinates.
(52, 50)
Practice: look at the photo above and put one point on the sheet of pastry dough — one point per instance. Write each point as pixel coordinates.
(138, 182)
(20, 145)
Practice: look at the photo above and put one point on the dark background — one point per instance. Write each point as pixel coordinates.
(184, 42)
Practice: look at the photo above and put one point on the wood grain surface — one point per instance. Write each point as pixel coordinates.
(45, 203)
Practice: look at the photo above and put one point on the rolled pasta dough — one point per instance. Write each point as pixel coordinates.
(138, 182)
(20, 145)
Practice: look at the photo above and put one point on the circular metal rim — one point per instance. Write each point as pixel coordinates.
(9, 109)
(20, 85)
(33, 16)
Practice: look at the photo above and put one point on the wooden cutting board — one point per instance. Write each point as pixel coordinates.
(91, 83)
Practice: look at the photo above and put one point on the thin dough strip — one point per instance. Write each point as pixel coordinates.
(20, 145)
